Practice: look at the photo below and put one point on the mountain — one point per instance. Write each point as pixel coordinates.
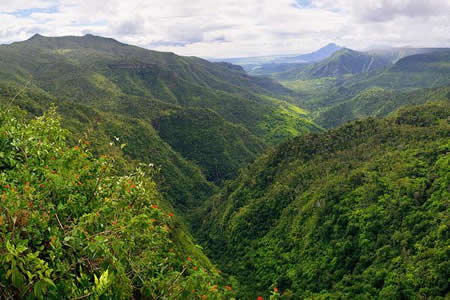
(256, 65)
(343, 62)
(129, 90)
(336, 99)
(321, 54)
(347, 61)
(356, 212)
(88, 69)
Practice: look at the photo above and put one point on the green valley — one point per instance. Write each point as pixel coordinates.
(126, 91)
(128, 173)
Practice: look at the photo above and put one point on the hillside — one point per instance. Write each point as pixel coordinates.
(360, 211)
(183, 183)
(105, 73)
(377, 102)
(121, 91)
(217, 146)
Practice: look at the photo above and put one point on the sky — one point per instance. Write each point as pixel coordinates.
(234, 28)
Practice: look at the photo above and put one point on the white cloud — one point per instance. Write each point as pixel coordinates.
(224, 28)
(384, 10)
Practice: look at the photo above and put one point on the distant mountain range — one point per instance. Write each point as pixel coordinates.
(252, 63)
(351, 84)
(331, 60)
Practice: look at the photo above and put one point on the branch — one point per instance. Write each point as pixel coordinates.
(59, 222)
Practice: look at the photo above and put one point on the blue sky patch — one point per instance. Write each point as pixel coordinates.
(303, 3)
(23, 13)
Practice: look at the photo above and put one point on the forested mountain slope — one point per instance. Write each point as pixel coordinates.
(377, 102)
(127, 95)
(429, 70)
(360, 211)
(129, 140)
(110, 75)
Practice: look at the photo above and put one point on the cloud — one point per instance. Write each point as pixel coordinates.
(225, 28)
(386, 10)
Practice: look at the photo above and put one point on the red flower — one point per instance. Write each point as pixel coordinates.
(7, 186)
(260, 298)
(170, 214)
(155, 206)
(275, 289)
(189, 259)
(228, 287)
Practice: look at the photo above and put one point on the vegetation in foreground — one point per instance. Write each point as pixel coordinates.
(71, 228)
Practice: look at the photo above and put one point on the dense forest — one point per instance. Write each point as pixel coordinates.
(127, 173)
(359, 211)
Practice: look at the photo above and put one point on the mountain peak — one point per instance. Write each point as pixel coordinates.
(320, 54)
(36, 36)
(331, 46)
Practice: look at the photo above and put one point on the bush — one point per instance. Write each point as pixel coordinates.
(70, 227)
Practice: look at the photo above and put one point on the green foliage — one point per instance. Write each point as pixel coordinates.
(357, 212)
(71, 227)
(216, 145)
(181, 182)
(377, 102)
